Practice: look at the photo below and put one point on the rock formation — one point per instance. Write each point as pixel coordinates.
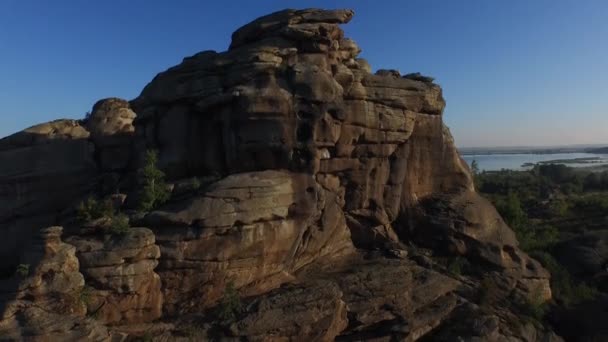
(327, 196)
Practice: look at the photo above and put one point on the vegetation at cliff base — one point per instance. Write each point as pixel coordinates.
(546, 206)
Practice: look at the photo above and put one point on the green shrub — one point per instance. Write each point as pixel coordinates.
(536, 239)
(194, 333)
(146, 337)
(154, 191)
(230, 305)
(23, 270)
(120, 225)
(489, 292)
(511, 210)
(458, 265)
(565, 289)
(92, 209)
(533, 307)
(196, 183)
(85, 294)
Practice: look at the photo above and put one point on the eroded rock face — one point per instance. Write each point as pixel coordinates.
(46, 168)
(122, 286)
(291, 94)
(111, 127)
(467, 224)
(297, 176)
(297, 98)
(252, 229)
(42, 300)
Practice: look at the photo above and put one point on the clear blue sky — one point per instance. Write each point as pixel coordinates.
(523, 72)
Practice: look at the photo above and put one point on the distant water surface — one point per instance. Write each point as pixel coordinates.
(495, 162)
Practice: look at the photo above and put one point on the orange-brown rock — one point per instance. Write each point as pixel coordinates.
(297, 175)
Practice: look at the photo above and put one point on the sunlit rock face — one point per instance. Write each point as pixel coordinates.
(364, 150)
(298, 177)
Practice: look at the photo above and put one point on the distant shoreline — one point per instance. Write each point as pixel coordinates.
(597, 149)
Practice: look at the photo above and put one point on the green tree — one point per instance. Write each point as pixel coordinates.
(154, 190)
(120, 225)
(474, 167)
(511, 210)
(230, 305)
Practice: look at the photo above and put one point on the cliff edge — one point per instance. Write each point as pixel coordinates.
(328, 201)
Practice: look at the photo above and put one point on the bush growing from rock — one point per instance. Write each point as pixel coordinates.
(230, 305)
(120, 225)
(91, 209)
(154, 190)
(458, 265)
(23, 270)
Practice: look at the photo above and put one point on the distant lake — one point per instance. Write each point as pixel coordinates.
(495, 162)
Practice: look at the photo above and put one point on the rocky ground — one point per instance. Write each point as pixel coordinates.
(310, 200)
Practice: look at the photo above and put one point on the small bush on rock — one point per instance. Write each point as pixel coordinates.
(154, 190)
(120, 225)
(85, 294)
(23, 270)
(458, 265)
(230, 305)
(91, 209)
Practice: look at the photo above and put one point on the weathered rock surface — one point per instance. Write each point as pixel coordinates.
(253, 229)
(111, 127)
(467, 224)
(45, 168)
(42, 300)
(297, 176)
(122, 286)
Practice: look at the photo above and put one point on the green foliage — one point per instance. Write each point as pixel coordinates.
(230, 305)
(511, 211)
(474, 167)
(146, 337)
(558, 208)
(92, 209)
(565, 289)
(533, 307)
(458, 265)
(537, 238)
(194, 333)
(592, 203)
(154, 191)
(120, 225)
(196, 183)
(489, 292)
(23, 270)
(85, 294)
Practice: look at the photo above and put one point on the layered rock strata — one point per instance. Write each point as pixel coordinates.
(299, 178)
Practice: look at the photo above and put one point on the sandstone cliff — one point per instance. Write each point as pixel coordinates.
(329, 197)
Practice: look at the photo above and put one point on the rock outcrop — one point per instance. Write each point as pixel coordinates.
(119, 272)
(298, 177)
(42, 300)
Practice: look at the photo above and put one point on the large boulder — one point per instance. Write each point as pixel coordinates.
(298, 179)
(111, 127)
(43, 300)
(122, 286)
(251, 229)
(291, 94)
